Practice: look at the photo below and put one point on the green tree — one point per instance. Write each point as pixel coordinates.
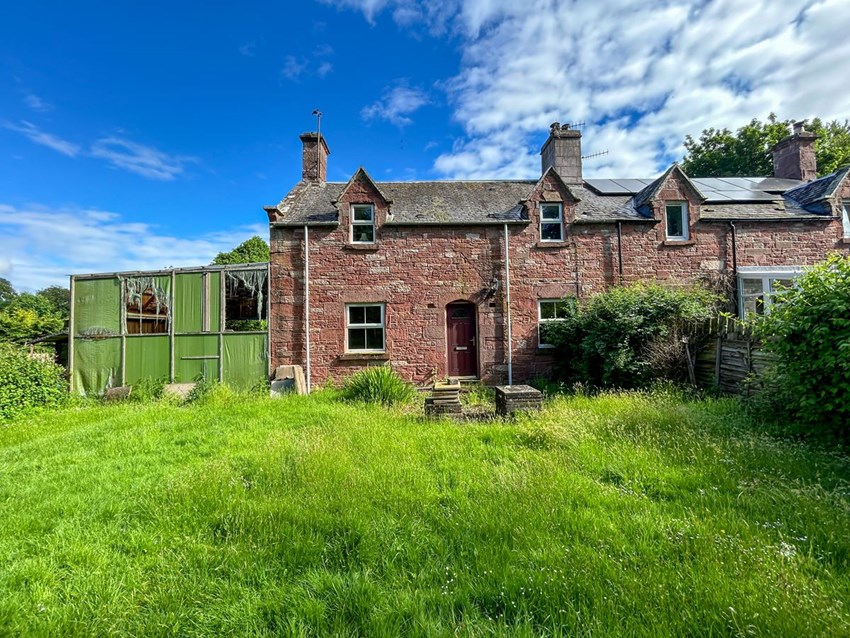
(253, 250)
(59, 297)
(808, 328)
(7, 292)
(28, 317)
(745, 153)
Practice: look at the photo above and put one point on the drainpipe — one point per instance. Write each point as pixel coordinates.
(307, 301)
(508, 308)
(620, 250)
(734, 264)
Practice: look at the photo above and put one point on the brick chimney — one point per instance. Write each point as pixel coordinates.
(314, 157)
(563, 152)
(794, 156)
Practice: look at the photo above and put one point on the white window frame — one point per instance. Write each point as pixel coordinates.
(845, 218)
(768, 277)
(559, 221)
(355, 223)
(365, 326)
(541, 321)
(683, 211)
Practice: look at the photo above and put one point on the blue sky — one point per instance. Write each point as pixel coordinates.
(147, 135)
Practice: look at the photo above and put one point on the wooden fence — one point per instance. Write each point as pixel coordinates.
(732, 360)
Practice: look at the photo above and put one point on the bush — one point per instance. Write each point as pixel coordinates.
(630, 336)
(377, 384)
(808, 329)
(27, 382)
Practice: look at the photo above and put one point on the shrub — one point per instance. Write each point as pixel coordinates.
(28, 382)
(808, 329)
(148, 389)
(630, 336)
(377, 384)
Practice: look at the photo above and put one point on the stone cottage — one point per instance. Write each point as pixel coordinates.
(455, 278)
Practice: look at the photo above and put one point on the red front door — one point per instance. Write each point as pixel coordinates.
(461, 340)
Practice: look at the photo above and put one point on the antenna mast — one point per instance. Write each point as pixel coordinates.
(318, 115)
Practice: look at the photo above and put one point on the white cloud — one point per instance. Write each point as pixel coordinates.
(293, 67)
(37, 136)
(140, 159)
(396, 105)
(324, 69)
(42, 245)
(249, 49)
(36, 103)
(641, 74)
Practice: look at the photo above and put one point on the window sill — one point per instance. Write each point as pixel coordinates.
(844, 241)
(365, 356)
(366, 247)
(678, 242)
(550, 244)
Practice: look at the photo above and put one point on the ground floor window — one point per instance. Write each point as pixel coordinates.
(364, 325)
(759, 287)
(549, 312)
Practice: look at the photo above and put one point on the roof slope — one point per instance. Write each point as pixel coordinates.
(599, 200)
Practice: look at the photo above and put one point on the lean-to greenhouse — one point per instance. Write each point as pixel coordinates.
(178, 325)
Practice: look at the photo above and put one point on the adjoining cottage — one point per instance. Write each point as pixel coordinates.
(454, 278)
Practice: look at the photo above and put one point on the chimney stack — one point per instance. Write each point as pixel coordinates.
(314, 158)
(563, 152)
(794, 156)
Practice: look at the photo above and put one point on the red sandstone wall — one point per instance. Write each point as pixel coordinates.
(416, 271)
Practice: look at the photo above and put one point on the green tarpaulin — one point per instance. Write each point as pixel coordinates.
(245, 360)
(215, 301)
(97, 365)
(146, 358)
(195, 356)
(97, 307)
(188, 298)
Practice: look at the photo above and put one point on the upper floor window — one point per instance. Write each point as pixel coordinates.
(551, 222)
(363, 224)
(677, 220)
(758, 288)
(550, 311)
(364, 328)
(845, 217)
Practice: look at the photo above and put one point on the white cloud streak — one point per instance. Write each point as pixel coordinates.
(396, 105)
(36, 103)
(37, 136)
(641, 74)
(41, 245)
(140, 159)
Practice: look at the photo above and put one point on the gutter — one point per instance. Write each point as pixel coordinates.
(307, 301)
(734, 262)
(508, 309)
(620, 250)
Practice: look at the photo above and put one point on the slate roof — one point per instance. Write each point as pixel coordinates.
(502, 201)
(811, 195)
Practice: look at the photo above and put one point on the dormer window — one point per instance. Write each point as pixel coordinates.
(677, 221)
(845, 218)
(551, 222)
(362, 224)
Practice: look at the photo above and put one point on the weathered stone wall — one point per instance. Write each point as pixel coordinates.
(417, 270)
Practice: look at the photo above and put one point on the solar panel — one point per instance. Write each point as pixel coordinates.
(633, 185)
(607, 187)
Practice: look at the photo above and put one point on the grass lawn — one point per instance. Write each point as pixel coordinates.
(623, 514)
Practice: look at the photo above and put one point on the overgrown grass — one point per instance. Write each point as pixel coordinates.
(618, 514)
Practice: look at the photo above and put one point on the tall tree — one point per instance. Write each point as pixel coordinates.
(58, 296)
(746, 153)
(7, 292)
(253, 250)
(27, 317)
